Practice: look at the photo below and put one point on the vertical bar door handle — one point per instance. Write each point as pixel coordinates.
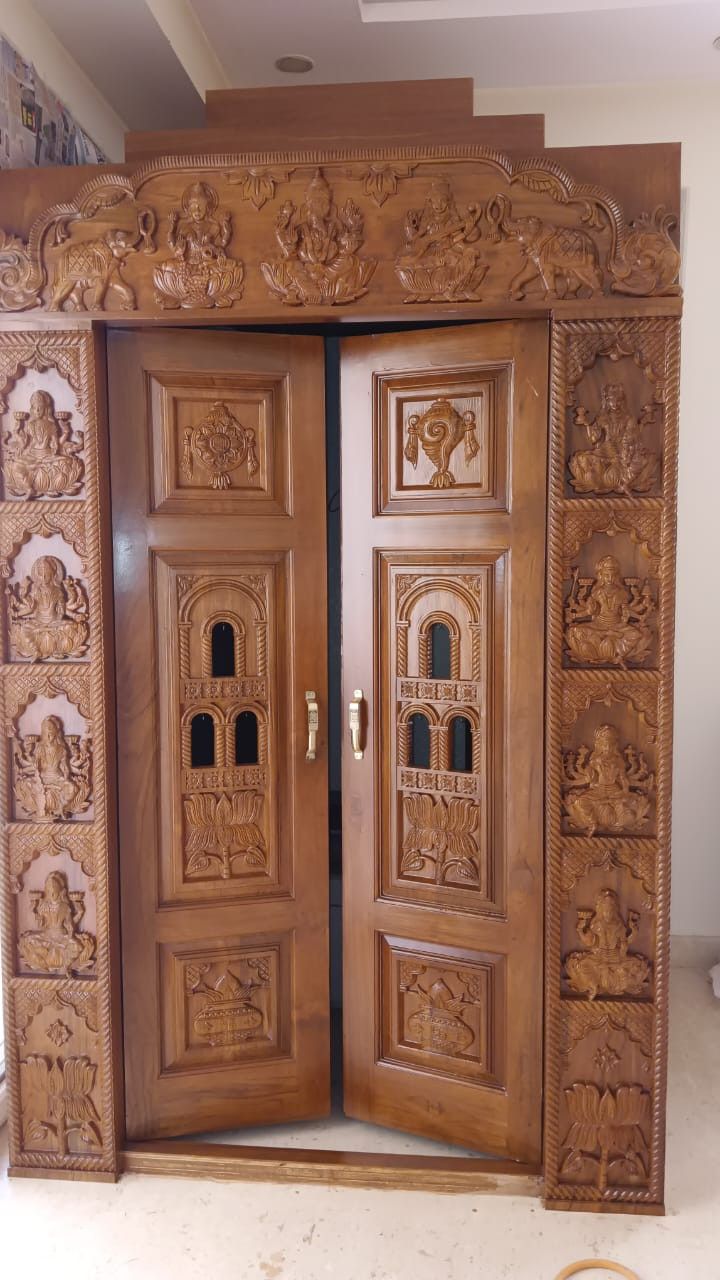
(313, 723)
(355, 723)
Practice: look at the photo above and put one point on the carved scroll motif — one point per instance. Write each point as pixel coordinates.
(320, 262)
(199, 273)
(648, 261)
(41, 454)
(48, 613)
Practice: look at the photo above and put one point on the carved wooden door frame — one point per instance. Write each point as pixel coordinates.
(609, 287)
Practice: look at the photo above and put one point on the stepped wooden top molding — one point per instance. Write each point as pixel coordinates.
(441, 224)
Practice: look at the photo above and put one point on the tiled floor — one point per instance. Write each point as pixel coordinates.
(164, 1229)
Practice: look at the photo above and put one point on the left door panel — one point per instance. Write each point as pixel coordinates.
(217, 464)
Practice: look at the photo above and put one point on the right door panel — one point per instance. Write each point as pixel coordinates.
(444, 441)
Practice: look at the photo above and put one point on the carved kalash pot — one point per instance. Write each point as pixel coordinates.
(437, 1025)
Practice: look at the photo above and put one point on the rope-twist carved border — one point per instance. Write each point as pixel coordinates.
(654, 346)
(72, 353)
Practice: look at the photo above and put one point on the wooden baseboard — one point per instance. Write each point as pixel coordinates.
(605, 1206)
(344, 1168)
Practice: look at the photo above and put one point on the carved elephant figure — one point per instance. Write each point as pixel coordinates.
(564, 259)
(95, 267)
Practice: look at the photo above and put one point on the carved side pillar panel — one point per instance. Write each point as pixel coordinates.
(610, 651)
(56, 793)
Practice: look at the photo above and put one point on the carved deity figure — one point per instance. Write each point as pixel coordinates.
(52, 778)
(41, 457)
(48, 613)
(439, 261)
(607, 968)
(57, 945)
(617, 460)
(199, 274)
(607, 789)
(320, 264)
(606, 617)
(440, 429)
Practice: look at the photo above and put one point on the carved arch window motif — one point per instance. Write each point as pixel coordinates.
(247, 745)
(465, 592)
(439, 648)
(203, 604)
(419, 741)
(202, 741)
(461, 745)
(222, 649)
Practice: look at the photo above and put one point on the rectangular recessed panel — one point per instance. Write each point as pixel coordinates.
(443, 1010)
(225, 1005)
(222, 725)
(221, 438)
(439, 436)
(442, 628)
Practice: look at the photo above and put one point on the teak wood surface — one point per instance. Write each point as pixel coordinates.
(442, 878)
(382, 230)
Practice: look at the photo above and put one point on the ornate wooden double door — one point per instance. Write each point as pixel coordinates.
(218, 490)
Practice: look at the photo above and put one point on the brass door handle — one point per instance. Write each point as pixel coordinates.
(313, 723)
(355, 723)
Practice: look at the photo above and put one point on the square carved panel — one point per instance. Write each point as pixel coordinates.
(443, 1009)
(441, 441)
(225, 1005)
(220, 443)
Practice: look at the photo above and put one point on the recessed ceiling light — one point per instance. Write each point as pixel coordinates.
(296, 64)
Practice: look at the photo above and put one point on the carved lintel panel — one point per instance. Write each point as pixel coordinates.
(610, 637)
(55, 840)
(258, 233)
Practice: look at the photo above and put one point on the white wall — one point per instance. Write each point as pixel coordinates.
(688, 113)
(36, 43)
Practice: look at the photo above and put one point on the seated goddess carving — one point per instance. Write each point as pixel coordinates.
(52, 773)
(439, 261)
(607, 789)
(48, 613)
(57, 945)
(617, 460)
(606, 617)
(199, 274)
(607, 968)
(41, 457)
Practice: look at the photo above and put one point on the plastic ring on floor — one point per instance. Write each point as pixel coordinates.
(596, 1264)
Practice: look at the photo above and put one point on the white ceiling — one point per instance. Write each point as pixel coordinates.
(130, 55)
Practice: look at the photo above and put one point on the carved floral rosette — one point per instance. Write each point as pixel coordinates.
(54, 840)
(609, 735)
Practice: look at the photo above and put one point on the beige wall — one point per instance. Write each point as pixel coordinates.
(689, 113)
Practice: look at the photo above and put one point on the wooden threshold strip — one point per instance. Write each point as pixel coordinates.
(347, 1168)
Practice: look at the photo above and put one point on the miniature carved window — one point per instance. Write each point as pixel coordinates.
(439, 651)
(202, 741)
(246, 738)
(461, 745)
(222, 649)
(419, 744)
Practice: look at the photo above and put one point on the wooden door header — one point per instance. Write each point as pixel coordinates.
(378, 232)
